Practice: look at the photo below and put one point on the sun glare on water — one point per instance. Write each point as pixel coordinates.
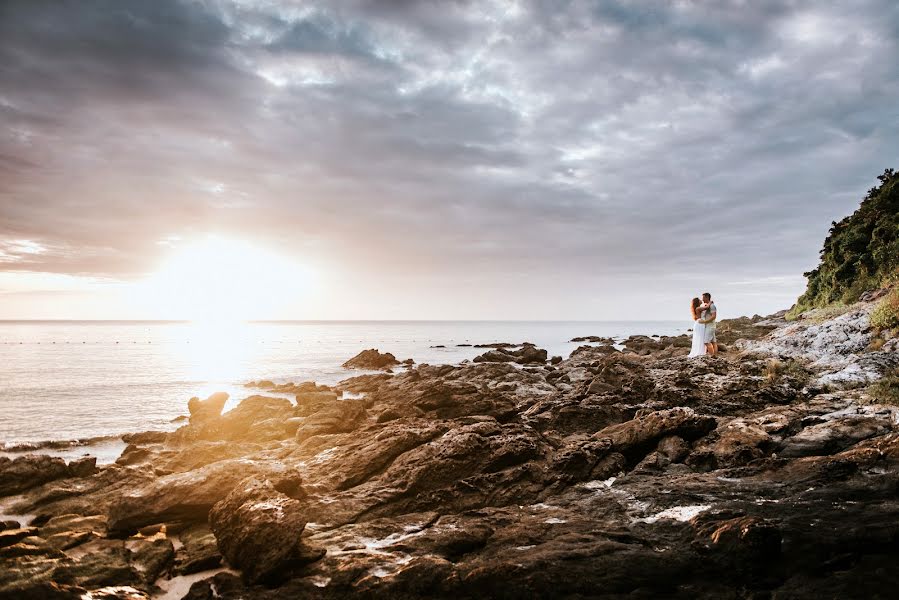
(217, 281)
(218, 284)
(215, 352)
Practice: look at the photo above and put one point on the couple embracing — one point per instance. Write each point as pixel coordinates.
(704, 314)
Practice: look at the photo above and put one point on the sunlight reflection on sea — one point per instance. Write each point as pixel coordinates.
(74, 380)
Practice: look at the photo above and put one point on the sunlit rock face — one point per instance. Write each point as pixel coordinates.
(624, 471)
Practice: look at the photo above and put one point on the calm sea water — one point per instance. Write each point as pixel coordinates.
(76, 380)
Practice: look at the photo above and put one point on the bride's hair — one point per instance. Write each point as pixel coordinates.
(694, 304)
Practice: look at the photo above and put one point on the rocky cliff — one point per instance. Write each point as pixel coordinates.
(768, 471)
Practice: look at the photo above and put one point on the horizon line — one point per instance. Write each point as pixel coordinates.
(251, 321)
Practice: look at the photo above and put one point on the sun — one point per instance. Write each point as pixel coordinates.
(217, 279)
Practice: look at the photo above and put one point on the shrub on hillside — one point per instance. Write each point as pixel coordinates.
(886, 390)
(775, 370)
(886, 314)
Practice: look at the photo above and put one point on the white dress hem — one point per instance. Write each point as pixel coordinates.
(699, 335)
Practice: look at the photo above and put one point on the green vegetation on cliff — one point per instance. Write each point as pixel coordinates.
(860, 253)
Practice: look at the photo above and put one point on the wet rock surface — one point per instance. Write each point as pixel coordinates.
(614, 473)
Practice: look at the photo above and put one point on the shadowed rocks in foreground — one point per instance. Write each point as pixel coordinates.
(623, 471)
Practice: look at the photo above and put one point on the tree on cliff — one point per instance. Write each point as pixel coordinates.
(861, 252)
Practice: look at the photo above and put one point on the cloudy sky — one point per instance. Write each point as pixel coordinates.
(451, 160)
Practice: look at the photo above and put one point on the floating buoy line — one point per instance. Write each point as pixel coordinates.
(119, 342)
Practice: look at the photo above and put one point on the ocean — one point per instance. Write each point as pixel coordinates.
(84, 380)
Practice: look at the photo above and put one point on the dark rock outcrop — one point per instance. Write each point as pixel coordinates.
(25, 472)
(29, 471)
(527, 354)
(372, 359)
(595, 339)
(635, 437)
(182, 496)
(258, 531)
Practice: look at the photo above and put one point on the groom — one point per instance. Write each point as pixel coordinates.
(708, 317)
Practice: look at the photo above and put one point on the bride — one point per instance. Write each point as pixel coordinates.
(698, 348)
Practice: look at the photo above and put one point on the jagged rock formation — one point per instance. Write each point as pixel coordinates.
(525, 355)
(374, 360)
(613, 473)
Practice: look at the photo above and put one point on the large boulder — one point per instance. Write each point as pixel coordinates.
(372, 359)
(184, 496)
(103, 563)
(211, 407)
(150, 558)
(495, 356)
(255, 419)
(593, 351)
(834, 435)
(258, 529)
(530, 354)
(367, 455)
(29, 471)
(619, 376)
(527, 354)
(98, 568)
(638, 436)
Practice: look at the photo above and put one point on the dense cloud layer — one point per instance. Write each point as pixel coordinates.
(542, 150)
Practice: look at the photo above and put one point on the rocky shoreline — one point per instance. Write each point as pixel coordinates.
(625, 470)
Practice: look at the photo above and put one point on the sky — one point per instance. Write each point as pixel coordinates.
(362, 159)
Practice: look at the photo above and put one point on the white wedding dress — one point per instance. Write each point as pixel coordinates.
(698, 347)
